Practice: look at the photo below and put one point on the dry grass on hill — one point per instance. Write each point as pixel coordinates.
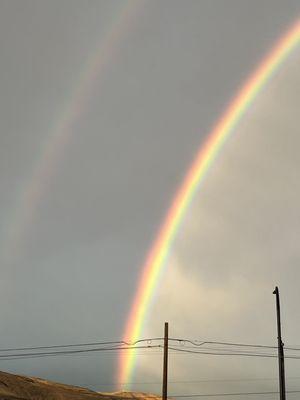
(24, 388)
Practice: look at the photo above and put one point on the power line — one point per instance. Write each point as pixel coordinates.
(127, 345)
(222, 353)
(264, 355)
(230, 394)
(72, 352)
(199, 343)
(18, 356)
(109, 343)
(181, 341)
(218, 349)
(194, 381)
(117, 343)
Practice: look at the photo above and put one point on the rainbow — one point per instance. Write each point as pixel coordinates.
(155, 262)
(61, 132)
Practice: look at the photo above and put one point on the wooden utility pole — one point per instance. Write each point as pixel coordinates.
(280, 348)
(165, 363)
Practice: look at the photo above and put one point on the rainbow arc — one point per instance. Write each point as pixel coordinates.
(155, 262)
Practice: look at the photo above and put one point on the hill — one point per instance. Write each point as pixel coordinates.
(27, 388)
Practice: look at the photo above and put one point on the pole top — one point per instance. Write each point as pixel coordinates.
(276, 291)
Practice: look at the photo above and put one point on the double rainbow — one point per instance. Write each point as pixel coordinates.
(156, 259)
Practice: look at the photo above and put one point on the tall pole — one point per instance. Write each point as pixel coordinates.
(165, 364)
(280, 348)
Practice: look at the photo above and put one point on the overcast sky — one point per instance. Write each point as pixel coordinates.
(167, 75)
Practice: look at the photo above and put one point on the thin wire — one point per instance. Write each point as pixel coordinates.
(232, 354)
(199, 343)
(222, 353)
(117, 343)
(188, 382)
(114, 348)
(181, 341)
(219, 349)
(72, 352)
(230, 394)
(61, 346)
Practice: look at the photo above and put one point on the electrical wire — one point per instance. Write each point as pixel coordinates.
(181, 341)
(217, 349)
(117, 343)
(199, 343)
(122, 348)
(110, 343)
(127, 345)
(71, 352)
(264, 355)
(230, 394)
(200, 381)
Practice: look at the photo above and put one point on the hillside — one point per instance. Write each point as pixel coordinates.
(27, 388)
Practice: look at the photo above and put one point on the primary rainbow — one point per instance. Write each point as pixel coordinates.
(156, 259)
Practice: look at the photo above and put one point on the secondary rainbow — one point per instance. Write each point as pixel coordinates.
(156, 259)
(61, 132)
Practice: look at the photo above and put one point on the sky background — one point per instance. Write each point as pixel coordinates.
(71, 274)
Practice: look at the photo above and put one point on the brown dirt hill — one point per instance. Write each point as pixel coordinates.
(17, 387)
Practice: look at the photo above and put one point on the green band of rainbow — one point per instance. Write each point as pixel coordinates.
(156, 259)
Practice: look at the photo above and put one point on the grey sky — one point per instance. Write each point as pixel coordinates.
(172, 74)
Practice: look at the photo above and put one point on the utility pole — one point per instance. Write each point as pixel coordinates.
(280, 348)
(165, 363)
